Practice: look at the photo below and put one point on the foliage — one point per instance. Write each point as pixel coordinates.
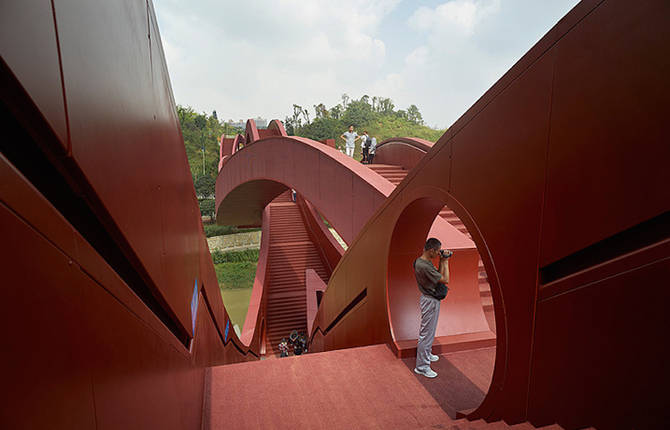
(207, 207)
(247, 255)
(204, 186)
(236, 275)
(377, 115)
(201, 133)
(212, 230)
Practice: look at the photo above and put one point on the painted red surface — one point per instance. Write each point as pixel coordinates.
(402, 151)
(313, 284)
(367, 388)
(257, 304)
(567, 150)
(328, 246)
(88, 352)
(254, 174)
(495, 168)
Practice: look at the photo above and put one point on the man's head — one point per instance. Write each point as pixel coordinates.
(432, 247)
(365, 132)
(351, 128)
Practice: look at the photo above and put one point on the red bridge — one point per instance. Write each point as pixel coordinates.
(552, 189)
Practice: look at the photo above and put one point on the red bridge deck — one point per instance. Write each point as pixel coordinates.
(345, 389)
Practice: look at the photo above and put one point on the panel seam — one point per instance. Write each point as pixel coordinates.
(62, 81)
(539, 239)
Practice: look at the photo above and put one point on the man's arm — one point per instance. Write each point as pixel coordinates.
(444, 270)
(343, 138)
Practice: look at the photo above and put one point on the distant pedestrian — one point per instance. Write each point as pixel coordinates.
(350, 137)
(371, 149)
(365, 146)
(283, 348)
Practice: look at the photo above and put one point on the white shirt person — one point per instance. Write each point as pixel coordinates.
(350, 138)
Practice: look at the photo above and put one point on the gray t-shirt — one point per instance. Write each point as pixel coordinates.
(427, 276)
(372, 145)
(351, 138)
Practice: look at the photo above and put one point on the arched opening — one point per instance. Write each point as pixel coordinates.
(296, 256)
(463, 327)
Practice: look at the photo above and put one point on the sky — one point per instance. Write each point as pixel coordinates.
(259, 57)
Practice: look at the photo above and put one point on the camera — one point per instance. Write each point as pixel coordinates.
(445, 253)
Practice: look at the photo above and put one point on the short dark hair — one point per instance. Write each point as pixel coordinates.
(432, 243)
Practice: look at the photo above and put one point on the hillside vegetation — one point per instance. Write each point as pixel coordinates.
(377, 115)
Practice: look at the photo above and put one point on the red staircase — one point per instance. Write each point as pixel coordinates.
(291, 253)
(395, 174)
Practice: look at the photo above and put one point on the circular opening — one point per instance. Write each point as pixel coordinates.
(466, 323)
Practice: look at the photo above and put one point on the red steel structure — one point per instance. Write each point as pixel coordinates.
(111, 306)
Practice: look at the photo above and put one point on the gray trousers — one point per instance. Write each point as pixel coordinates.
(430, 311)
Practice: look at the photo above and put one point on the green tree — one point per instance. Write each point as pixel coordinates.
(207, 207)
(359, 114)
(320, 111)
(345, 100)
(414, 115)
(204, 186)
(336, 111)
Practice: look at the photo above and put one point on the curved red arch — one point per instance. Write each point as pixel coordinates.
(402, 151)
(251, 132)
(263, 170)
(276, 127)
(227, 147)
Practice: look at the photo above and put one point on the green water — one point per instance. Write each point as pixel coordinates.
(236, 301)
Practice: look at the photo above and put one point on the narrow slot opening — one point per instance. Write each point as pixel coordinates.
(639, 236)
(35, 151)
(359, 298)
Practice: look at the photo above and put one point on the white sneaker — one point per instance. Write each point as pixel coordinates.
(430, 373)
(434, 357)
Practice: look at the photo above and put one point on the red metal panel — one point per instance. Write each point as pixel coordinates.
(89, 360)
(606, 139)
(402, 151)
(599, 348)
(330, 248)
(29, 46)
(125, 138)
(138, 380)
(253, 323)
(24, 199)
(45, 362)
(506, 146)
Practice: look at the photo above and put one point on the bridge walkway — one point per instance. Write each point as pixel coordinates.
(355, 388)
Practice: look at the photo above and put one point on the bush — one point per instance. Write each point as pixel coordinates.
(212, 230)
(207, 207)
(245, 256)
(236, 275)
(219, 230)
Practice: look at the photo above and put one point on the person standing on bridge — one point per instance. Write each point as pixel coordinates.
(350, 137)
(433, 286)
(372, 146)
(365, 145)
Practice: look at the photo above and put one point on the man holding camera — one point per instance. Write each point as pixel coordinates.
(433, 286)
